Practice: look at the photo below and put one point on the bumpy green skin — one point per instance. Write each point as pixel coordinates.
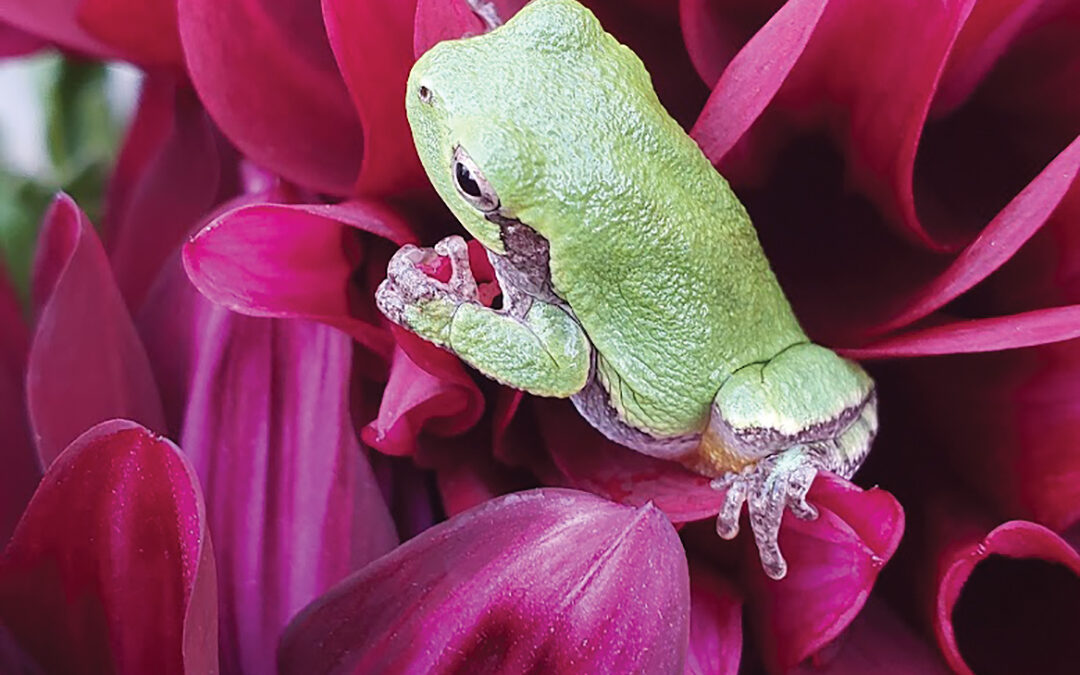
(649, 246)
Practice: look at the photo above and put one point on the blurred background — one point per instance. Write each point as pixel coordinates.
(61, 121)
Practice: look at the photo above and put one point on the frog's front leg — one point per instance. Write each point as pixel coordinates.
(542, 350)
(773, 427)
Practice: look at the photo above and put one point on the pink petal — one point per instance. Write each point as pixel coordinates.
(86, 362)
(543, 581)
(753, 77)
(714, 33)
(289, 491)
(143, 30)
(1038, 327)
(415, 401)
(167, 177)
(14, 42)
(833, 563)
(588, 461)
(877, 641)
(109, 569)
(438, 20)
(290, 260)
(715, 625)
(1006, 423)
(55, 21)
(998, 241)
(21, 472)
(1008, 601)
(265, 72)
(371, 42)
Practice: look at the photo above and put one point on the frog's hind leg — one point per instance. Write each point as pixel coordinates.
(772, 427)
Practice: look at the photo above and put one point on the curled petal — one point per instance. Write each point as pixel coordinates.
(1008, 601)
(438, 20)
(1037, 327)
(142, 30)
(167, 177)
(548, 580)
(288, 488)
(833, 562)
(21, 470)
(998, 241)
(110, 568)
(416, 401)
(371, 42)
(715, 625)
(265, 72)
(86, 362)
(290, 260)
(753, 77)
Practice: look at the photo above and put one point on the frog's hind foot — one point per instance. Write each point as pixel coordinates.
(767, 488)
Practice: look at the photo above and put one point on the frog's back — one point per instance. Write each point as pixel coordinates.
(658, 260)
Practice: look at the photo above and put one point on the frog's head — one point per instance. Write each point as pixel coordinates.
(501, 119)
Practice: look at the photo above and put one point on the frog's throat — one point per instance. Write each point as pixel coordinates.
(841, 442)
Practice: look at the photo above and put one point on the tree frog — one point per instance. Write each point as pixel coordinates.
(633, 281)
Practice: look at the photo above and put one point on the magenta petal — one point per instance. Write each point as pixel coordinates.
(265, 72)
(715, 625)
(438, 20)
(55, 21)
(833, 562)
(1038, 327)
(416, 401)
(998, 242)
(878, 642)
(20, 470)
(142, 30)
(588, 461)
(14, 42)
(86, 362)
(109, 568)
(290, 495)
(166, 179)
(281, 260)
(543, 581)
(754, 76)
(1009, 602)
(372, 45)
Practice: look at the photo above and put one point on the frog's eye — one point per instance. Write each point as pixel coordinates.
(471, 184)
(424, 93)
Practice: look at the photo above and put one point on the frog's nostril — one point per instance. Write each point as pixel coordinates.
(425, 94)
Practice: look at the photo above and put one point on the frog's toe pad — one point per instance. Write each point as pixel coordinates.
(768, 487)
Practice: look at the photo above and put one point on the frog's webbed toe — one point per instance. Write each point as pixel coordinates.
(768, 488)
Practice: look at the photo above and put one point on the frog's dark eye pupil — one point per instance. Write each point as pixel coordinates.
(466, 181)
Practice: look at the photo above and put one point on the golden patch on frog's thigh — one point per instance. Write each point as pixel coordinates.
(841, 442)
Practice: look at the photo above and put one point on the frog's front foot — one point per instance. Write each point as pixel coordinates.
(768, 487)
(418, 301)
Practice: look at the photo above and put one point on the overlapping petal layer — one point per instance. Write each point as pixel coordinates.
(110, 568)
(169, 174)
(19, 468)
(543, 580)
(86, 362)
(291, 260)
(265, 72)
(142, 30)
(290, 494)
(55, 21)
